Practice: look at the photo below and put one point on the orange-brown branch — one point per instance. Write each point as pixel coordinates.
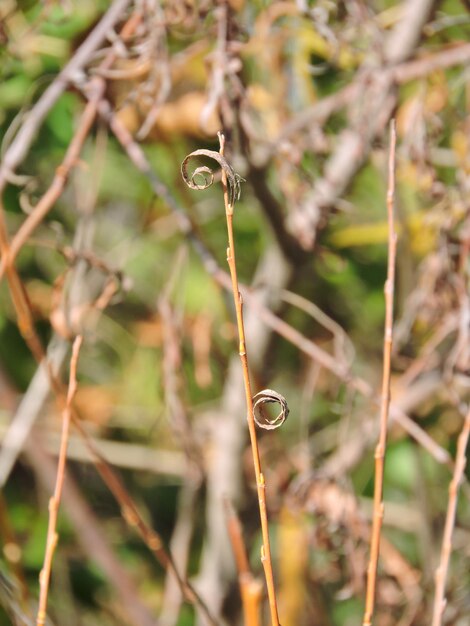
(54, 502)
(260, 484)
(250, 587)
(441, 572)
(385, 399)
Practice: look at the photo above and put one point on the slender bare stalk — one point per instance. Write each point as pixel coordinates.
(54, 502)
(385, 400)
(250, 587)
(260, 483)
(446, 548)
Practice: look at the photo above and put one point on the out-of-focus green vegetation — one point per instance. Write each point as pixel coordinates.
(285, 56)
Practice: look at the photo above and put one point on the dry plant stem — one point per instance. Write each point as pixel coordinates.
(401, 74)
(261, 487)
(441, 572)
(251, 594)
(250, 587)
(128, 508)
(385, 400)
(54, 503)
(131, 514)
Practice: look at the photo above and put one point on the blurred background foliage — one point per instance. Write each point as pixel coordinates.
(280, 59)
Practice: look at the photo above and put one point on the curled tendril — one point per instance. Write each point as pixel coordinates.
(268, 396)
(233, 179)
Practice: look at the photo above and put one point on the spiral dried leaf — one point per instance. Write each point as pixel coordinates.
(233, 179)
(262, 419)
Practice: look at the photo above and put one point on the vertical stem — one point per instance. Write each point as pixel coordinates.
(260, 484)
(250, 588)
(441, 571)
(54, 502)
(385, 398)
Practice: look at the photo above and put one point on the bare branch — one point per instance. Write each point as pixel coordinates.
(441, 571)
(54, 503)
(230, 185)
(385, 400)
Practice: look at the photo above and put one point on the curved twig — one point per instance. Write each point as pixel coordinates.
(262, 419)
(233, 179)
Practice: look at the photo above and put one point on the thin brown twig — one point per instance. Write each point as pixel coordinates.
(402, 73)
(129, 509)
(173, 387)
(250, 587)
(385, 400)
(322, 357)
(54, 502)
(181, 426)
(442, 60)
(159, 70)
(235, 534)
(260, 482)
(446, 548)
